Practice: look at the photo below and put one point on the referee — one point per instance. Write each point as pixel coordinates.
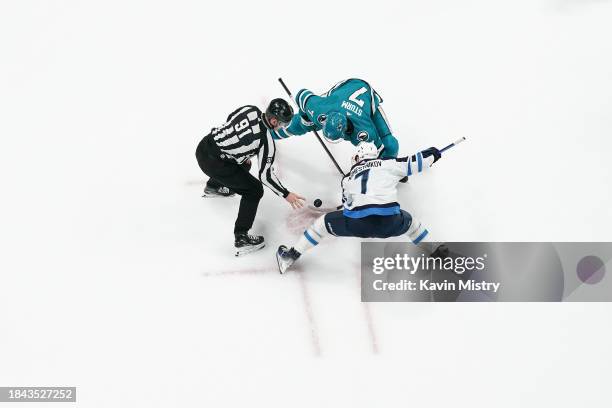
(224, 155)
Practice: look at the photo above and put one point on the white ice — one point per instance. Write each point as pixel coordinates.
(119, 279)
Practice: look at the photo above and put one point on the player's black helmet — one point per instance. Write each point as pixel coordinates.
(281, 110)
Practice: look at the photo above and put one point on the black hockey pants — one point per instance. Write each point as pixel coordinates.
(234, 176)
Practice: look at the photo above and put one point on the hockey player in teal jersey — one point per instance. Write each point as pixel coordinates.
(349, 111)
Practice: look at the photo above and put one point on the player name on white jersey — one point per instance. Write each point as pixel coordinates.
(367, 165)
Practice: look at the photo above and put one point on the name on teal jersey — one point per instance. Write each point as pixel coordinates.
(349, 106)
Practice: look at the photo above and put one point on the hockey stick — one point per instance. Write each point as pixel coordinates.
(456, 142)
(330, 209)
(315, 132)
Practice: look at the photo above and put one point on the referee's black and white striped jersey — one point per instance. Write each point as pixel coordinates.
(244, 135)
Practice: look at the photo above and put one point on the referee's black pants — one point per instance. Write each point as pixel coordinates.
(234, 176)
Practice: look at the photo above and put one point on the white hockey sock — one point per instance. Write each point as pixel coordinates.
(312, 236)
(417, 232)
(419, 235)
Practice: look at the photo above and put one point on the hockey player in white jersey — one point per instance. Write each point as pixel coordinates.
(370, 207)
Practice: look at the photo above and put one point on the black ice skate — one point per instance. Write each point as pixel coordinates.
(286, 257)
(212, 192)
(245, 243)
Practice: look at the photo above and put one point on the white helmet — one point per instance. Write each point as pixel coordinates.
(365, 150)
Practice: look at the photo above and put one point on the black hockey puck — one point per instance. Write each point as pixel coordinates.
(317, 203)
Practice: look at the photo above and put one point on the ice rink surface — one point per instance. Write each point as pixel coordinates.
(119, 279)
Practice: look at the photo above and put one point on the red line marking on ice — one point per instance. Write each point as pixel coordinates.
(368, 317)
(296, 223)
(249, 271)
(195, 183)
(305, 297)
(309, 315)
(303, 289)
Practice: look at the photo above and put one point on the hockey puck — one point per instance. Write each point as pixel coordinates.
(317, 203)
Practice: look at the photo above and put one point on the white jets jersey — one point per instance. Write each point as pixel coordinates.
(371, 186)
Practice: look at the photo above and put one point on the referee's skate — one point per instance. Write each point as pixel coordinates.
(245, 243)
(212, 192)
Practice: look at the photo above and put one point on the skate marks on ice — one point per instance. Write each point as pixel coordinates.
(297, 221)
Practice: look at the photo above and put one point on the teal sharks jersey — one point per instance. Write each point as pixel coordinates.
(361, 104)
